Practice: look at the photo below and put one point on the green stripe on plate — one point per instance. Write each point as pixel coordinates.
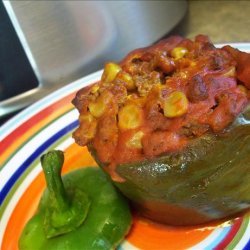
(239, 234)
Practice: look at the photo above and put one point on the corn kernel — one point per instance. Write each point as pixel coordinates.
(135, 140)
(110, 72)
(193, 64)
(88, 118)
(138, 101)
(178, 52)
(94, 89)
(176, 104)
(242, 89)
(131, 97)
(130, 117)
(98, 107)
(231, 72)
(183, 74)
(127, 79)
(88, 125)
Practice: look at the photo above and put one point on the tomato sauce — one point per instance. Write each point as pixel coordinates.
(161, 97)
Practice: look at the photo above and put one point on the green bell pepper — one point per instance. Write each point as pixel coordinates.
(82, 210)
(209, 180)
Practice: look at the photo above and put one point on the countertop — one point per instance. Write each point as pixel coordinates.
(223, 21)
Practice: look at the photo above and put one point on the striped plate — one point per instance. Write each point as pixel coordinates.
(48, 124)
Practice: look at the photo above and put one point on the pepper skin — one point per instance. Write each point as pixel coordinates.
(209, 180)
(106, 219)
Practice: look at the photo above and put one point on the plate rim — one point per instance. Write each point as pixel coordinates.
(56, 95)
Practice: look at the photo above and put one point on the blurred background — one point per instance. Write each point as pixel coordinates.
(47, 44)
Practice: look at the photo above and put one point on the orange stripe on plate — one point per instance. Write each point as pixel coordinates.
(25, 208)
(76, 157)
(148, 235)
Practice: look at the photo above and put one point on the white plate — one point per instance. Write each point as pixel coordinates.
(49, 124)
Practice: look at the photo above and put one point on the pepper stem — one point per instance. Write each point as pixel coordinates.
(52, 163)
(65, 211)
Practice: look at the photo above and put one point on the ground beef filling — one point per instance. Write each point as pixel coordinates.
(160, 98)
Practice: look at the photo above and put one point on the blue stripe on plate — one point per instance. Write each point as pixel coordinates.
(37, 153)
(247, 246)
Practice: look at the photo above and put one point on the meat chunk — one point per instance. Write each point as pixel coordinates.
(161, 142)
(243, 64)
(197, 89)
(106, 138)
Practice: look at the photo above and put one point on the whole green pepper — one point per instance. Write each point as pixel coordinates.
(209, 180)
(82, 210)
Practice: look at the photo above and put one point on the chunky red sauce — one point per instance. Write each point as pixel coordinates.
(161, 97)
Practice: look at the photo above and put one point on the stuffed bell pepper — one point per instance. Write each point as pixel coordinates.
(170, 124)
